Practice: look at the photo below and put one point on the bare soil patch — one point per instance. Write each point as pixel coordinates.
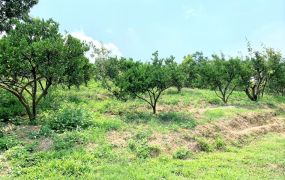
(233, 130)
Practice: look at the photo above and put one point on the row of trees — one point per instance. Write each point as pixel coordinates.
(256, 73)
(34, 56)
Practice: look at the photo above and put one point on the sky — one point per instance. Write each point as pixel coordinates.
(137, 28)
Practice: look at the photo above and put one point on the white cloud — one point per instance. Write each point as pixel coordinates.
(114, 50)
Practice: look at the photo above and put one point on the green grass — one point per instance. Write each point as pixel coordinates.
(87, 153)
(262, 160)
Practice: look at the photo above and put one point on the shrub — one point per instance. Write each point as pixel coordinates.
(103, 151)
(33, 135)
(7, 142)
(52, 101)
(204, 145)
(16, 153)
(220, 144)
(32, 147)
(69, 119)
(9, 106)
(141, 148)
(45, 131)
(182, 154)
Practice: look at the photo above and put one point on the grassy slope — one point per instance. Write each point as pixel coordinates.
(96, 157)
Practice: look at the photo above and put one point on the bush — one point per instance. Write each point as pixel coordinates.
(7, 142)
(45, 131)
(10, 107)
(103, 151)
(220, 144)
(182, 154)
(204, 145)
(141, 148)
(68, 119)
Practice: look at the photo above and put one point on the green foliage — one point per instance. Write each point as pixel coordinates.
(147, 81)
(79, 69)
(45, 131)
(30, 66)
(9, 107)
(215, 101)
(259, 70)
(108, 124)
(138, 144)
(142, 149)
(7, 142)
(68, 118)
(176, 73)
(182, 154)
(277, 79)
(204, 145)
(222, 76)
(184, 121)
(21, 157)
(103, 151)
(192, 65)
(14, 9)
(138, 117)
(33, 135)
(108, 71)
(68, 140)
(220, 144)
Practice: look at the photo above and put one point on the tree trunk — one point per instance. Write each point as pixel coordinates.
(27, 108)
(225, 99)
(154, 109)
(253, 96)
(263, 88)
(179, 89)
(34, 97)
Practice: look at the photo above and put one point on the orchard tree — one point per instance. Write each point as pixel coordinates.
(79, 69)
(34, 56)
(176, 73)
(147, 81)
(189, 68)
(108, 71)
(223, 76)
(13, 9)
(276, 80)
(256, 72)
(192, 66)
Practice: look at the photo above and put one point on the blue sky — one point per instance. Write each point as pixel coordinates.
(136, 28)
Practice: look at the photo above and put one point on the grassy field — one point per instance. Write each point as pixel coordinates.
(193, 136)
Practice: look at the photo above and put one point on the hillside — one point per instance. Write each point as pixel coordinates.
(193, 135)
